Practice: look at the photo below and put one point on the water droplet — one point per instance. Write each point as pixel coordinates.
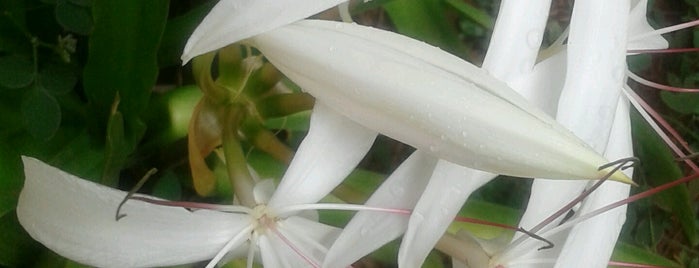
(443, 137)
(444, 211)
(331, 49)
(464, 134)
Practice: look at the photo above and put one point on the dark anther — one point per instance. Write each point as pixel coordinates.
(133, 191)
(549, 244)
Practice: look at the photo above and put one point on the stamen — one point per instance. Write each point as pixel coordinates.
(660, 86)
(133, 191)
(293, 247)
(240, 236)
(618, 165)
(665, 30)
(663, 50)
(194, 205)
(504, 226)
(337, 206)
(646, 112)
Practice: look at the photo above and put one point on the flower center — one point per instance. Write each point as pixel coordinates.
(263, 219)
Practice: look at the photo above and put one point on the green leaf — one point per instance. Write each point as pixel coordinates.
(477, 15)
(41, 113)
(659, 167)
(168, 186)
(177, 32)
(57, 79)
(10, 178)
(74, 18)
(15, 71)
(425, 20)
(685, 103)
(624, 252)
(17, 249)
(121, 140)
(122, 56)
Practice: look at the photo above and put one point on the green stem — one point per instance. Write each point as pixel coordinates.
(236, 164)
(284, 104)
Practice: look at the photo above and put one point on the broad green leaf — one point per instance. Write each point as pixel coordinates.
(168, 186)
(41, 113)
(425, 20)
(624, 252)
(176, 33)
(17, 249)
(121, 140)
(16, 71)
(122, 56)
(74, 18)
(659, 167)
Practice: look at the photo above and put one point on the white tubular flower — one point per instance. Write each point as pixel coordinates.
(76, 218)
(379, 79)
(233, 20)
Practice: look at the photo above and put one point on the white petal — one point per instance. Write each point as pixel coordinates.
(593, 240)
(638, 25)
(542, 86)
(332, 148)
(447, 190)
(516, 38)
(368, 230)
(596, 69)
(76, 219)
(233, 20)
(379, 78)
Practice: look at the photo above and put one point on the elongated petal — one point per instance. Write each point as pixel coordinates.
(378, 79)
(638, 26)
(516, 38)
(76, 219)
(301, 242)
(447, 190)
(233, 20)
(369, 230)
(204, 136)
(593, 240)
(332, 148)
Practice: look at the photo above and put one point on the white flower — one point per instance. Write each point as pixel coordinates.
(76, 218)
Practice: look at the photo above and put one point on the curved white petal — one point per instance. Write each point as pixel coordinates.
(369, 230)
(378, 79)
(76, 219)
(638, 26)
(447, 190)
(516, 38)
(233, 20)
(593, 240)
(332, 148)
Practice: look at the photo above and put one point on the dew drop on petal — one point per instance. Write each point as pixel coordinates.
(398, 190)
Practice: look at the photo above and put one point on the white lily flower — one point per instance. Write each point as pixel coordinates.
(233, 20)
(79, 222)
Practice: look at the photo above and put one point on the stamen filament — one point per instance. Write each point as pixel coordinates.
(660, 86)
(337, 206)
(665, 30)
(194, 205)
(293, 247)
(649, 114)
(236, 240)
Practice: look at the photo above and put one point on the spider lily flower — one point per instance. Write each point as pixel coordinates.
(79, 223)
